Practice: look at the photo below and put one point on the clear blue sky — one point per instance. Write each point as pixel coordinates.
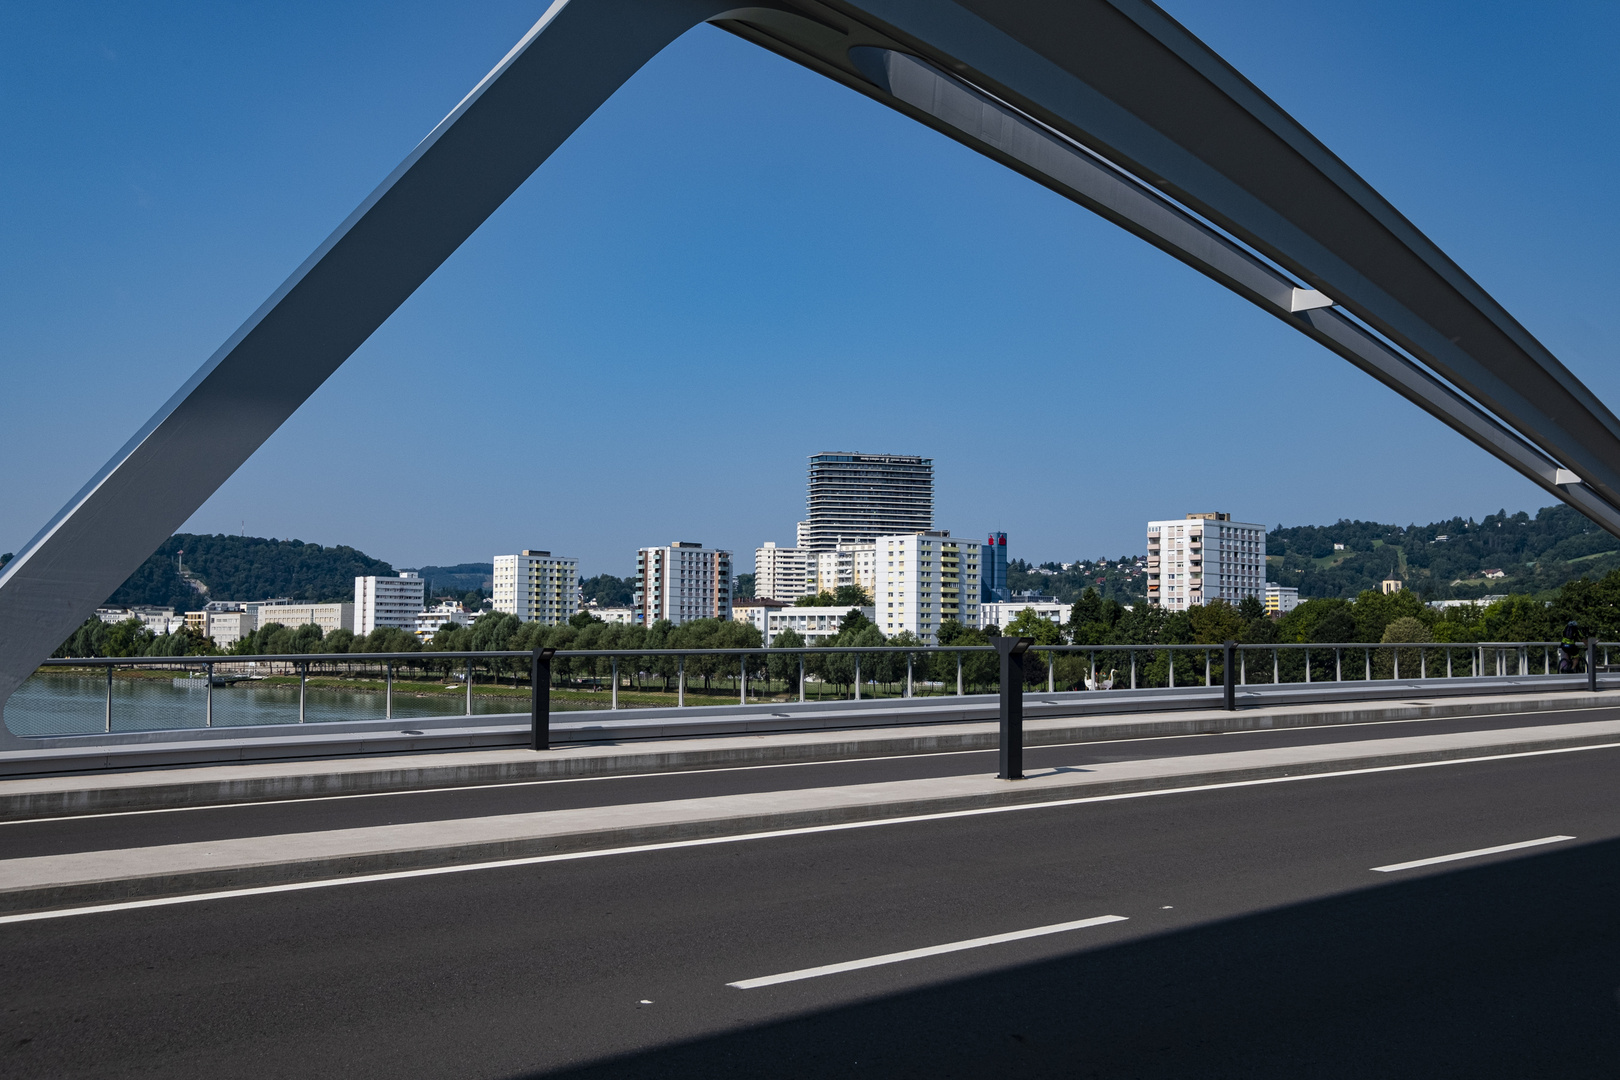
(736, 264)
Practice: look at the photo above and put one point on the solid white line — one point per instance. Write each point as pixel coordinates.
(671, 845)
(1476, 853)
(917, 954)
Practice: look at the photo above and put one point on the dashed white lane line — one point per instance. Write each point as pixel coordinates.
(1476, 853)
(918, 954)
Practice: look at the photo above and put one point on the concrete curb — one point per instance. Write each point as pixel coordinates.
(35, 798)
(289, 871)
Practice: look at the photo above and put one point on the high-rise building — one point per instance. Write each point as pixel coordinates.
(993, 586)
(783, 573)
(856, 498)
(537, 586)
(1202, 558)
(384, 601)
(681, 582)
(924, 579)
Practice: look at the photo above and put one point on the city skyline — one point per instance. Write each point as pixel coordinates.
(169, 238)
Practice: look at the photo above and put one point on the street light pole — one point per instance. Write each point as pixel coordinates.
(1011, 651)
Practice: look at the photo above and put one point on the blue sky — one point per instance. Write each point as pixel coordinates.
(736, 264)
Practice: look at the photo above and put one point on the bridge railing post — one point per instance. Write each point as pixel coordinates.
(1228, 684)
(1012, 650)
(540, 699)
(1591, 664)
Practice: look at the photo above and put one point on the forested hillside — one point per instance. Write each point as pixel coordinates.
(245, 568)
(1445, 559)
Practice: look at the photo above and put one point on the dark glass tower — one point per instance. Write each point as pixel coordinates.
(993, 570)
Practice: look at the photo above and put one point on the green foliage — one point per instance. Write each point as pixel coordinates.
(1535, 553)
(1031, 625)
(5, 557)
(609, 591)
(742, 587)
(846, 596)
(130, 638)
(245, 568)
(1122, 580)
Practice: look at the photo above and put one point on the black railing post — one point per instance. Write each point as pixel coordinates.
(1012, 650)
(540, 698)
(1228, 684)
(1591, 664)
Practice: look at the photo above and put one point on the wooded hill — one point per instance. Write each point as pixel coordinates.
(1445, 559)
(245, 568)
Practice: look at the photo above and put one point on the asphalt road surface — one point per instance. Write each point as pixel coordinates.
(144, 829)
(1254, 938)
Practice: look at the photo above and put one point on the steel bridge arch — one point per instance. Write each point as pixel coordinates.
(1110, 103)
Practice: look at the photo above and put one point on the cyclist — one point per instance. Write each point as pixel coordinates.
(1572, 650)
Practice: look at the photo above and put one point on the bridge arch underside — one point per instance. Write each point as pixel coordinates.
(1108, 102)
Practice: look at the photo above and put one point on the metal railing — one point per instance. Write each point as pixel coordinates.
(869, 672)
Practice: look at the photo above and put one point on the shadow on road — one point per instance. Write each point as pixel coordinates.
(1506, 970)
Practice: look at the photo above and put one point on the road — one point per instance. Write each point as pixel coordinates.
(1258, 941)
(144, 829)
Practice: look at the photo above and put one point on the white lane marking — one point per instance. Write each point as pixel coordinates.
(1476, 853)
(748, 768)
(917, 954)
(671, 845)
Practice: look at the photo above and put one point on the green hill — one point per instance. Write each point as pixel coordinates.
(1446, 559)
(245, 568)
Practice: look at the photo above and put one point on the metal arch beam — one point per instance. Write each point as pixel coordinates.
(1038, 78)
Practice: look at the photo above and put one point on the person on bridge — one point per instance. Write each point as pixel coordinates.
(1571, 650)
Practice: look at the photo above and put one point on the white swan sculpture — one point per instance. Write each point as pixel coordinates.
(1101, 682)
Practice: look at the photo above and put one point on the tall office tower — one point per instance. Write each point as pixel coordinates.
(537, 586)
(924, 579)
(856, 498)
(681, 582)
(385, 601)
(993, 564)
(1204, 557)
(782, 573)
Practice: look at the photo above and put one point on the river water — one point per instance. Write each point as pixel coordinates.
(74, 704)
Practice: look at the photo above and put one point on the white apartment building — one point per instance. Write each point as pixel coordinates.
(755, 611)
(681, 582)
(1203, 558)
(428, 623)
(537, 586)
(611, 614)
(789, 573)
(782, 573)
(225, 627)
(1280, 599)
(387, 601)
(813, 624)
(922, 580)
(328, 617)
(159, 620)
(1000, 613)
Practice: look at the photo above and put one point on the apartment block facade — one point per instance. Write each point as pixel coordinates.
(924, 579)
(387, 601)
(1202, 558)
(681, 582)
(782, 573)
(537, 586)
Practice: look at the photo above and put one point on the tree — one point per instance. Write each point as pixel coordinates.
(785, 668)
(851, 596)
(1028, 623)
